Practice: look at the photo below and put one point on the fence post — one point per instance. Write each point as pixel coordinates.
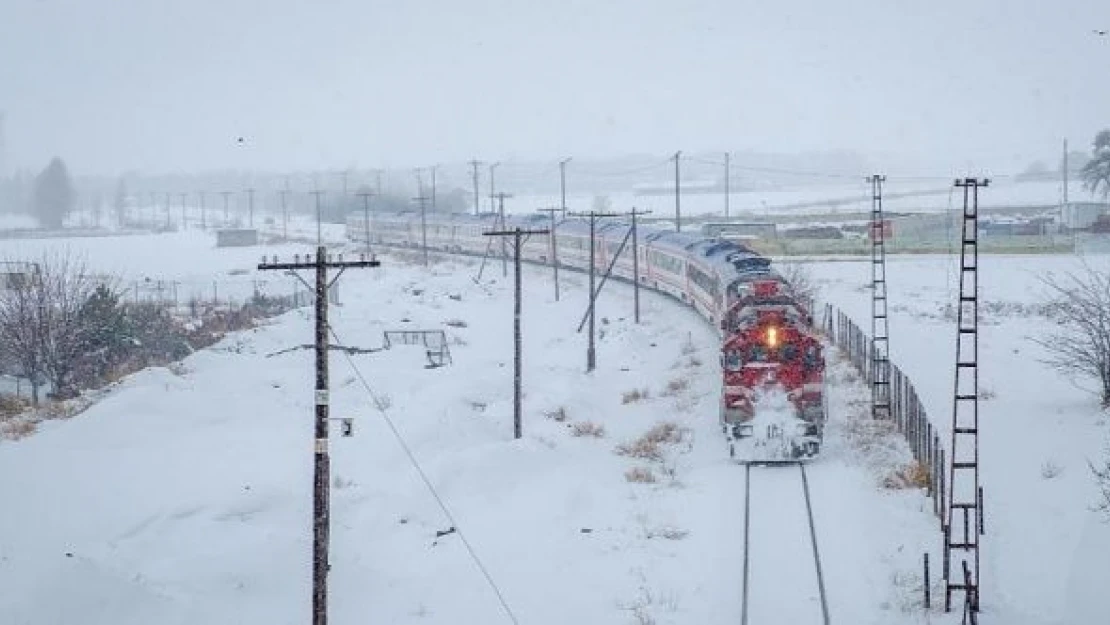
(943, 489)
(927, 589)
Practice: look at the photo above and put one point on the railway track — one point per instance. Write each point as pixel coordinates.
(783, 582)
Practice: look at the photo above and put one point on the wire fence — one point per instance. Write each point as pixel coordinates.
(906, 408)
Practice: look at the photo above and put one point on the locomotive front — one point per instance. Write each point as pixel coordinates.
(772, 403)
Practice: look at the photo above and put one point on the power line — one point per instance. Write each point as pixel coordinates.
(383, 410)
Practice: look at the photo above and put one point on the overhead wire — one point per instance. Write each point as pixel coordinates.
(383, 410)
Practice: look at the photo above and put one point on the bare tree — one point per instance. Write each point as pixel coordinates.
(803, 286)
(19, 323)
(40, 320)
(1080, 305)
(1096, 173)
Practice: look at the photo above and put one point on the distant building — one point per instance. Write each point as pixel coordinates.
(237, 237)
(1080, 215)
(737, 230)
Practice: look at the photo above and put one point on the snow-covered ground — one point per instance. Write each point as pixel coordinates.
(1045, 551)
(933, 196)
(184, 496)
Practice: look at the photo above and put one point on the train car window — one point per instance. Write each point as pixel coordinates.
(733, 360)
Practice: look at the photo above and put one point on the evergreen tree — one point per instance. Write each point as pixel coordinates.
(1096, 173)
(53, 195)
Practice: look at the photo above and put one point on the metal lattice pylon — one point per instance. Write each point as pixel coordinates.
(964, 524)
(880, 327)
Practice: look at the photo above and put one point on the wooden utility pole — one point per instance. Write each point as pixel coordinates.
(727, 176)
(636, 262)
(284, 194)
(591, 352)
(319, 233)
(203, 212)
(169, 204)
(422, 200)
(554, 247)
(501, 212)
(563, 184)
(474, 170)
(321, 512)
(366, 195)
(184, 220)
(433, 168)
(516, 233)
(677, 194)
(250, 208)
(226, 195)
(492, 187)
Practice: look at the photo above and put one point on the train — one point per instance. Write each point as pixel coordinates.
(773, 405)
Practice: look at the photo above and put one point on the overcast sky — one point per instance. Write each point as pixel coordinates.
(168, 85)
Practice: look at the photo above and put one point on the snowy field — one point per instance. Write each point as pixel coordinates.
(1045, 550)
(184, 495)
(843, 197)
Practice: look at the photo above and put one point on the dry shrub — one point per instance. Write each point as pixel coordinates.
(647, 447)
(588, 428)
(913, 475)
(1050, 470)
(640, 475)
(11, 405)
(676, 386)
(17, 429)
(57, 410)
(670, 533)
(688, 347)
(559, 414)
(634, 395)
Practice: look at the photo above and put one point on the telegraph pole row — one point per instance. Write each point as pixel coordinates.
(321, 461)
(422, 200)
(516, 233)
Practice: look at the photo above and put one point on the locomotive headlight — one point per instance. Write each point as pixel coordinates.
(772, 337)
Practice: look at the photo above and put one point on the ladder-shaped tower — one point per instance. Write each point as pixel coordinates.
(964, 524)
(880, 327)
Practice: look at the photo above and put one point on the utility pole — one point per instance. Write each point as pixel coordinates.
(591, 352)
(183, 216)
(964, 523)
(516, 233)
(433, 168)
(226, 195)
(422, 200)
(250, 207)
(636, 262)
(319, 234)
(169, 204)
(344, 174)
(474, 168)
(727, 176)
(492, 208)
(203, 216)
(1065, 172)
(284, 194)
(677, 194)
(554, 247)
(366, 195)
(563, 185)
(321, 513)
(501, 212)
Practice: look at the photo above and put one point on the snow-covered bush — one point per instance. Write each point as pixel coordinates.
(635, 395)
(640, 475)
(559, 415)
(676, 386)
(588, 428)
(1081, 308)
(1050, 470)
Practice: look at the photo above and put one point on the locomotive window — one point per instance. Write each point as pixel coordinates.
(733, 360)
